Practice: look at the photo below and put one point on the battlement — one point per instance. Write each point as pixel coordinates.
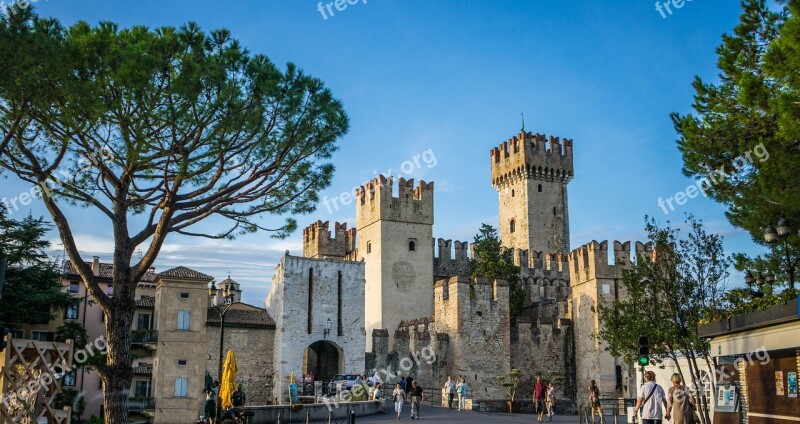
(375, 201)
(318, 243)
(592, 260)
(540, 261)
(445, 263)
(532, 156)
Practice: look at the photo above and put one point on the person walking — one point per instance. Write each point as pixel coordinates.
(461, 389)
(417, 396)
(679, 402)
(594, 402)
(539, 397)
(551, 401)
(409, 380)
(450, 390)
(650, 400)
(398, 396)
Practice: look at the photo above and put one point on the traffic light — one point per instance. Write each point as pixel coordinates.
(644, 351)
(3, 342)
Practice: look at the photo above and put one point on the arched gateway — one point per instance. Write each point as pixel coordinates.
(323, 359)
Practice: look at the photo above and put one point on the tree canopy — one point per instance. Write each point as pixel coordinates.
(32, 291)
(744, 134)
(154, 131)
(492, 261)
(667, 295)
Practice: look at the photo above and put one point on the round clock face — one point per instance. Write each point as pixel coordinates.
(403, 274)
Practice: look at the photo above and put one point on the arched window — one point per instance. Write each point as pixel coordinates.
(512, 226)
(540, 188)
(369, 246)
(512, 192)
(412, 246)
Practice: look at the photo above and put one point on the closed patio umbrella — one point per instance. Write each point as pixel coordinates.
(228, 383)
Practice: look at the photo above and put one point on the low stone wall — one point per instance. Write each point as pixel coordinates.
(316, 412)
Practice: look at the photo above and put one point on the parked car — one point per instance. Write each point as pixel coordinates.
(347, 380)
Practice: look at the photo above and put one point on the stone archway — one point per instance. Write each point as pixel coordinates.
(323, 359)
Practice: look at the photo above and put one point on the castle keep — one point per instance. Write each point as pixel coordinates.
(415, 295)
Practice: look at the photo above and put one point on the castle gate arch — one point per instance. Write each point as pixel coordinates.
(323, 359)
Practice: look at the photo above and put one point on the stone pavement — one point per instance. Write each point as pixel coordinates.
(439, 415)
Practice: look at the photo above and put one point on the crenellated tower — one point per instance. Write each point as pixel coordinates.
(318, 243)
(531, 172)
(395, 238)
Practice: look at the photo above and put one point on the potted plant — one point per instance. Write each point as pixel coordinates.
(510, 382)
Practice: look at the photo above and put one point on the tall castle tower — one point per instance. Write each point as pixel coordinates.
(395, 238)
(531, 174)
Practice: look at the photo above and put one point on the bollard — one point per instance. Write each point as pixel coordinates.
(308, 417)
(278, 421)
(352, 419)
(330, 416)
(616, 419)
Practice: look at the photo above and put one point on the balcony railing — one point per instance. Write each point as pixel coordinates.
(136, 404)
(142, 337)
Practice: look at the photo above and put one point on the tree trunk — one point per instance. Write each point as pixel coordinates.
(702, 402)
(117, 375)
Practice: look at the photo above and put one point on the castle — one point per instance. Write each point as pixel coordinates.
(417, 295)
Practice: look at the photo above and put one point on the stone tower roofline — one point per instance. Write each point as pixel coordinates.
(532, 156)
(375, 202)
(593, 258)
(384, 185)
(318, 241)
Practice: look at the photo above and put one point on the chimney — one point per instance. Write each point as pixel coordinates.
(96, 266)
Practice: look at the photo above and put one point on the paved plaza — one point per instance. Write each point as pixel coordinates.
(441, 415)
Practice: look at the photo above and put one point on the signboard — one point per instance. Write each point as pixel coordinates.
(726, 398)
(293, 397)
(779, 383)
(791, 380)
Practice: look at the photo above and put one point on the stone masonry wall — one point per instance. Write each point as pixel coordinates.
(254, 351)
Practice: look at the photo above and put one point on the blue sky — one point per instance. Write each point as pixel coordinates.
(452, 77)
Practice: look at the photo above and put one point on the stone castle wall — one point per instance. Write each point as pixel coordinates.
(304, 295)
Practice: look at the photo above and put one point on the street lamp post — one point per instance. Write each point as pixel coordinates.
(760, 281)
(772, 235)
(221, 305)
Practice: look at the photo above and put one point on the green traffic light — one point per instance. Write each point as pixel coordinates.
(643, 360)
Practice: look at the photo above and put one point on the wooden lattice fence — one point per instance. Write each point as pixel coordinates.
(31, 373)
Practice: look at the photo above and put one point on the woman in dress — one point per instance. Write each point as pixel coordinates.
(594, 401)
(679, 402)
(397, 396)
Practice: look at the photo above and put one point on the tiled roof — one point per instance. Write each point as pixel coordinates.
(183, 272)
(146, 302)
(107, 271)
(255, 318)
